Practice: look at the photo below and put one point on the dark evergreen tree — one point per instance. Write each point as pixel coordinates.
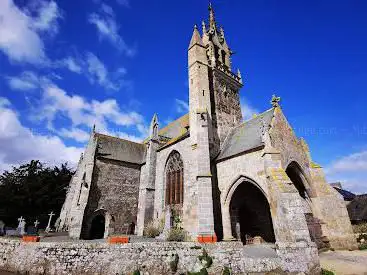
(33, 190)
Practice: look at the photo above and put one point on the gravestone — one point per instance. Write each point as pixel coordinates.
(32, 231)
(2, 228)
(167, 225)
(21, 226)
(48, 228)
(11, 232)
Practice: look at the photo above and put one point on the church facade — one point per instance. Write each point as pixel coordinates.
(223, 178)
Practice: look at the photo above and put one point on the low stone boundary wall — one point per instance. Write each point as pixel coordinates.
(152, 258)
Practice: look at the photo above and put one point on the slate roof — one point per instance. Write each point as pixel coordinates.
(357, 208)
(119, 149)
(176, 128)
(174, 131)
(347, 196)
(246, 136)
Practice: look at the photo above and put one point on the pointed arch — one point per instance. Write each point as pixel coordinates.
(174, 174)
(247, 212)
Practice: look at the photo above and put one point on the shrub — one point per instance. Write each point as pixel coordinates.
(360, 228)
(202, 271)
(362, 246)
(226, 271)
(206, 259)
(136, 272)
(176, 235)
(326, 272)
(151, 230)
(362, 238)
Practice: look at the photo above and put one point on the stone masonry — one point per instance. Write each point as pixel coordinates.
(153, 258)
(221, 160)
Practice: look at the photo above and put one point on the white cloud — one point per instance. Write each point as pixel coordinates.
(107, 28)
(81, 112)
(26, 81)
(96, 71)
(19, 144)
(181, 106)
(75, 133)
(351, 170)
(48, 13)
(247, 109)
(124, 3)
(72, 64)
(20, 33)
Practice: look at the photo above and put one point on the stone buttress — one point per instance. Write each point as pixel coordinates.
(147, 180)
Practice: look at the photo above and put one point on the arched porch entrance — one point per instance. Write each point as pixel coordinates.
(250, 214)
(296, 175)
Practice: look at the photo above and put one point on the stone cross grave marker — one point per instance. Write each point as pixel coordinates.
(36, 223)
(21, 226)
(48, 228)
(167, 225)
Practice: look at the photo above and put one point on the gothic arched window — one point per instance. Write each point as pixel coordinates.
(174, 179)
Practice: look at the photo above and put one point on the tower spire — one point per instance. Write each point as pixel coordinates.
(212, 24)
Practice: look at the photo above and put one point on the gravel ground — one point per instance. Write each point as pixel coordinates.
(345, 262)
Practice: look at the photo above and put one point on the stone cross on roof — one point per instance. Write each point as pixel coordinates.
(275, 101)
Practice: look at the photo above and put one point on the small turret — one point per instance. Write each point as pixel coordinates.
(153, 129)
(196, 38)
(239, 75)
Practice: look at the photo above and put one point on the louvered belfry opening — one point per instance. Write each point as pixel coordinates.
(174, 179)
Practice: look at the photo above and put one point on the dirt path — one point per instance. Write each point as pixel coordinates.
(345, 262)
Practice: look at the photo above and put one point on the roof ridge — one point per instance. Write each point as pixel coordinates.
(100, 134)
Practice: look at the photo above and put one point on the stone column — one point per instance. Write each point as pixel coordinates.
(226, 221)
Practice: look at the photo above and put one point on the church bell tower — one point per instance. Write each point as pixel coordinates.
(212, 83)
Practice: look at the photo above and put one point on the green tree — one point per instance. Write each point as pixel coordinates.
(33, 190)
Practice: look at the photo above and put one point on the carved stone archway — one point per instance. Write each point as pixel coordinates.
(298, 178)
(246, 212)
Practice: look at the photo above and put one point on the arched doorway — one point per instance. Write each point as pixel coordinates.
(250, 214)
(297, 177)
(97, 229)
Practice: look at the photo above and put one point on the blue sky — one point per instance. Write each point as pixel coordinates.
(66, 65)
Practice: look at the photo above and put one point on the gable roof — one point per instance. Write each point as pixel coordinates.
(175, 128)
(119, 149)
(357, 208)
(246, 136)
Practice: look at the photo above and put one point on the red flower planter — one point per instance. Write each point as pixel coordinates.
(31, 239)
(207, 238)
(118, 239)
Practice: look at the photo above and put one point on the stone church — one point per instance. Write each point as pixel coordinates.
(224, 178)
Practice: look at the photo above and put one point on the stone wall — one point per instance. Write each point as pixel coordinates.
(152, 258)
(190, 190)
(327, 206)
(115, 189)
